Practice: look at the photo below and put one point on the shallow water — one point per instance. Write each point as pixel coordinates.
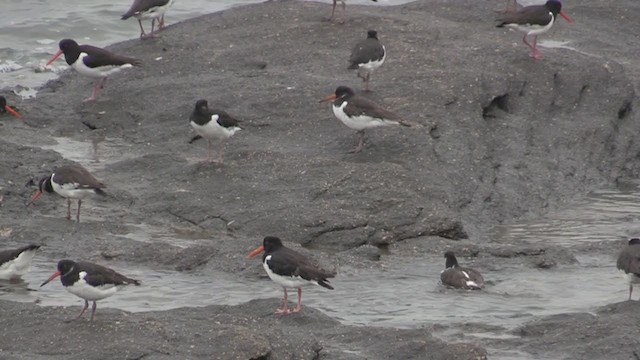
(405, 293)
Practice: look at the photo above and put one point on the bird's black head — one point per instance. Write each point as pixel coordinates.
(343, 92)
(70, 49)
(3, 103)
(634, 241)
(202, 106)
(554, 6)
(451, 260)
(372, 34)
(68, 45)
(271, 243)
(45, 184)
(65, 267)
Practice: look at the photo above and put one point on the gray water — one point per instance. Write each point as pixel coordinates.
(406, 293)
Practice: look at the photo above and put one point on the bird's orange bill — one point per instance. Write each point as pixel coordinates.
(57, 55)
(329, 98)
(55, 275)
(256, 251)
(565, 16)
(35, 197)
(11, 111)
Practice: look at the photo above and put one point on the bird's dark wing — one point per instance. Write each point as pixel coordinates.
(530, 15)
(365, 51)
(100, 57)
(140, 6)
(76, 174)
(99, 275)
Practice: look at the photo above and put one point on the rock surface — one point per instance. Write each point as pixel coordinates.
(500, 137)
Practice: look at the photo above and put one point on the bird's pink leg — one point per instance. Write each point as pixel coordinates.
(209, 158)
(96, 90)
(630, 290)
(285, 307)
(161, 23)
(344, 12)
(86, 305)
(221, 156)
(333, 10)
(142, 33)
(299, 306)
(93, 310)
(78, 214)
(360, 145)
(536, 53)
(68, 209)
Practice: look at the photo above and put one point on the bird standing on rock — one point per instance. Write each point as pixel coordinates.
(367, 56)
(6, 108)
(533, 21)
(629, 263)
(148, 9)
(360, 113)
(212, 124)
(91, 282)
(290, 269)
(460, 277)
(70, 182)
(93, 62)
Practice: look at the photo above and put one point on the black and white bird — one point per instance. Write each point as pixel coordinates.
(148, 9)
(89, 281)
(460, 277)
(6, 108)
(344, 10)
(533, 21)
(70, 182)
(15, 263)
(366, 56)
(213, 124)
(290, 269)
(360, 113)
(93, 62)
(629, 263)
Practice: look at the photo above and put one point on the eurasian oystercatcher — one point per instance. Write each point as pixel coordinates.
(70, 182)
(344, 10)
(290, 269)
(534, 20)
(148, 9)
(6, 108)
(460, 277)
(629, 263)
(212, 124)
(89, 281)
(93, 62)
(360, 113)
(368, 55)
(17, 262)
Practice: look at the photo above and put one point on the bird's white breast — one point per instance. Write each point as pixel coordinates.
(81, 289)
(97, 72)
(359, 122)
(285, 281)
(70, 190)
(213, 130)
